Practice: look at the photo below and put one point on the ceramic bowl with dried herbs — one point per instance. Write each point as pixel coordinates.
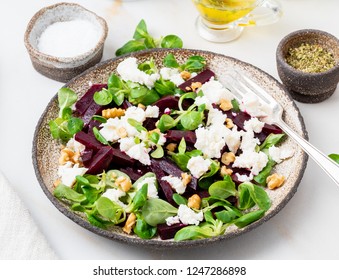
(308, 64)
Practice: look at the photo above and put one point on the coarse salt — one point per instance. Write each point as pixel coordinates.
(69, 38)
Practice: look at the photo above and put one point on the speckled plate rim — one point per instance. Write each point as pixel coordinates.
(157, 243)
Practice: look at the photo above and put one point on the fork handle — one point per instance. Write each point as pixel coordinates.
(326, 163)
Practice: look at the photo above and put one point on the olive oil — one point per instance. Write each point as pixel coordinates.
(221, 12)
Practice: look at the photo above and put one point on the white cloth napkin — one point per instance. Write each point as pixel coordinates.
(20, 238)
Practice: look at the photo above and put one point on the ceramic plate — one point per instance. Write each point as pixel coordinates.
(46, 151)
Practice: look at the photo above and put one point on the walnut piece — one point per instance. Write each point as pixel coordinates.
(130, 222)
(123, 183)
(275, 181)
(113, 113)
(69, 155)
(196, 85)
(185, 75)
(194, 202)
(142, 106)
(225, 104)
(171, 147)
(186, 178)
(225, 171)
(122, 132)
(229, 123)
(227, 158)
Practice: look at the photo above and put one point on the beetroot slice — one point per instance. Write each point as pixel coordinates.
(101, 160)
(202, 77)
(168, 232)
(165, 187)
(271, 128)
(93, 109)
(168, 101)
(177, 135)
(86, 156)
(133, 173)
(239, 119)
(125, 104)
(170, 168)
(88, 140)
(86, 100)
(88, 128)
(150, 123)
(267, 130)
(121, 158)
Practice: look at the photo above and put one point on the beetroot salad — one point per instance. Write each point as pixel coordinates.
(166, 151)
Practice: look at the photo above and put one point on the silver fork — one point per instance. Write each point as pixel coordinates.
(241, 85)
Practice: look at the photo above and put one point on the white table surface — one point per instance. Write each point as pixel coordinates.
(307, 228)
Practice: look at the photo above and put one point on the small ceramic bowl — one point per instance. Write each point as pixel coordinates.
(56, 67)
(308, 87)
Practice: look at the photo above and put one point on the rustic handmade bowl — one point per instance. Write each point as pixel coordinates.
(63, 68)
(46, 150)
(308, 87)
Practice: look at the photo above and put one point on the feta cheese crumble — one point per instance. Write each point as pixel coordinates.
(140, 153)
(210, 140)
(152, 111)
(68, 173)
(214, 91)
(244, 178)
(232, 139)
(185, 215)
(189, 217)
(249, 142)
(216, 117)
(115, 195)
(176, 183)
(251, 160)
(75, 146)
(129, 71)
(198, 166)
(172, 220)
(252, 105)
(110, 129)
(171, 74)
(126, 143)
(152, 190)
(254, 124)
(279, 154)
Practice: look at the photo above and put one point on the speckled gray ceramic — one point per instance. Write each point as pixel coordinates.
(308, 87)
(46, 151)
(63, 68)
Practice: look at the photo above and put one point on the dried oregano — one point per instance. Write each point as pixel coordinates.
(310, 58)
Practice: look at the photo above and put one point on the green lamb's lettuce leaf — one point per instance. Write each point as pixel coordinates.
(155, 211)
(212, 227)
(143, 40)
(109, 210)
(262, 176)
(65, 126)
(249, 218)
(335, 157)
(65, 192)
(143, 229)
(223, 189)
(194, 63)
(171, 41)
(272, 139)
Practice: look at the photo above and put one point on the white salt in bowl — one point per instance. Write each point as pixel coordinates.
(63, 61)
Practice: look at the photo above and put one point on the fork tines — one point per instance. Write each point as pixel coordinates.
(240, 85)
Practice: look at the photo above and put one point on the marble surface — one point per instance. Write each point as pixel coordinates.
(307, 228)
